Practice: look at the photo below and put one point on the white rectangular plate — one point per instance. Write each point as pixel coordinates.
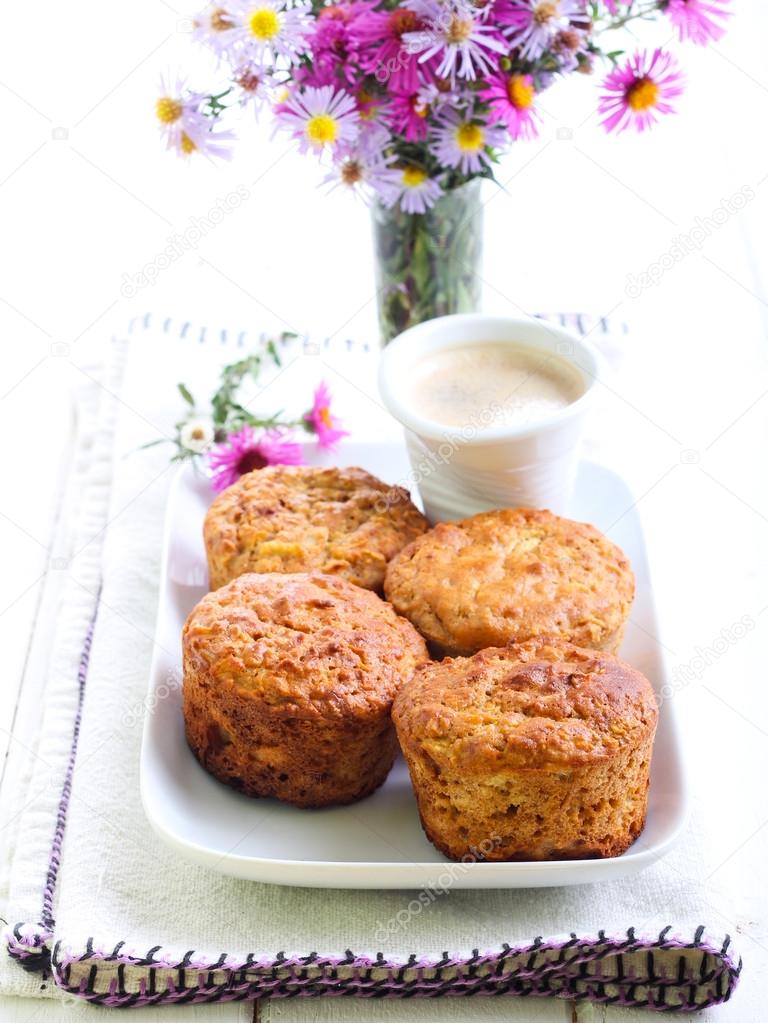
(377, 843)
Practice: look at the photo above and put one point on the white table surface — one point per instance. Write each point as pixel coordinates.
(685, 415)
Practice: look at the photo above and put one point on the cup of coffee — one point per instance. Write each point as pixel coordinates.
(493, 410)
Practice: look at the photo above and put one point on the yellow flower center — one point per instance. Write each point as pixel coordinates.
(186, 144)
(168, 110)
(469, 137)
(264, 23)
(520, 92)
(197, 433)
(325, 415)
(544, 12)
(413, 176)
(322, 129)
(643, 94)
(460, 29)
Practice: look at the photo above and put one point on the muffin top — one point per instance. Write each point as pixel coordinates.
(310, 646)
(511, 575)
(303, 519)
(543, 704)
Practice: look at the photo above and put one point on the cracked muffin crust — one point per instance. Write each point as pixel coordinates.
(281, 518)
(288, 686)
(511, 575)
(536, 751)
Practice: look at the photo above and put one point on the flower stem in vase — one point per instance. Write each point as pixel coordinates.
(428, 264)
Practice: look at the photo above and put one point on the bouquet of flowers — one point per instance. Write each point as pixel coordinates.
(410, 102)
(408, 99)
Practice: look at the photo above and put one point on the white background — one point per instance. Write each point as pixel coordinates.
(88, 196)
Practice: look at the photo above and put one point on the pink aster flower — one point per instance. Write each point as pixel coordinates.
(245, 451)
(382, 50)
(698, 20)
(534, 24)
(456, 37)
(510, 99)
(320, 421)
(407, 116)
(640, 89)
(334, 47)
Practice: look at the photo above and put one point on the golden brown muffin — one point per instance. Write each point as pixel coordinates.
(301, 519)
(537, 751)
(507, 576)
(288, 686)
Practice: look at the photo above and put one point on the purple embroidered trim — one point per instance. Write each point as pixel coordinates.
(29, 943)
(677, 975)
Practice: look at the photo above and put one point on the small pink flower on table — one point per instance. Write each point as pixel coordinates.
(320, 421)
(246, 450)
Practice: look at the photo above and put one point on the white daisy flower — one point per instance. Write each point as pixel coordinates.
(536, 23)
(414, 189)
(364, 170)
(320, 117)
(214, 27)
(254, 86)
(196, 435)
(456, 36)
(177, 108)
(269, 30)
(203, 139)
(461, 140)
(185, 127)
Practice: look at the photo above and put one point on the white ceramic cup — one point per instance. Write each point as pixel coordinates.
(463, 470)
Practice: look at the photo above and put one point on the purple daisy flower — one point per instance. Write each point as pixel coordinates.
(640, 89)
(534, 24)
(510, 99)
(320, 117)
(414, 189)
(456, 37)
(245, 451)
(321, 421)
(380, 36)
(698, 20)
(462, 140)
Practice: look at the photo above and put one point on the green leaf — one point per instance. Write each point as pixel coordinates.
(184, 392)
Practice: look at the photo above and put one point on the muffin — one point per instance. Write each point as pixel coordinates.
(288, 686)
(537, 751)
(512, 575)
(282, 518)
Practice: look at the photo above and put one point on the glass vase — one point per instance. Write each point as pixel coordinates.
(428, 264)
